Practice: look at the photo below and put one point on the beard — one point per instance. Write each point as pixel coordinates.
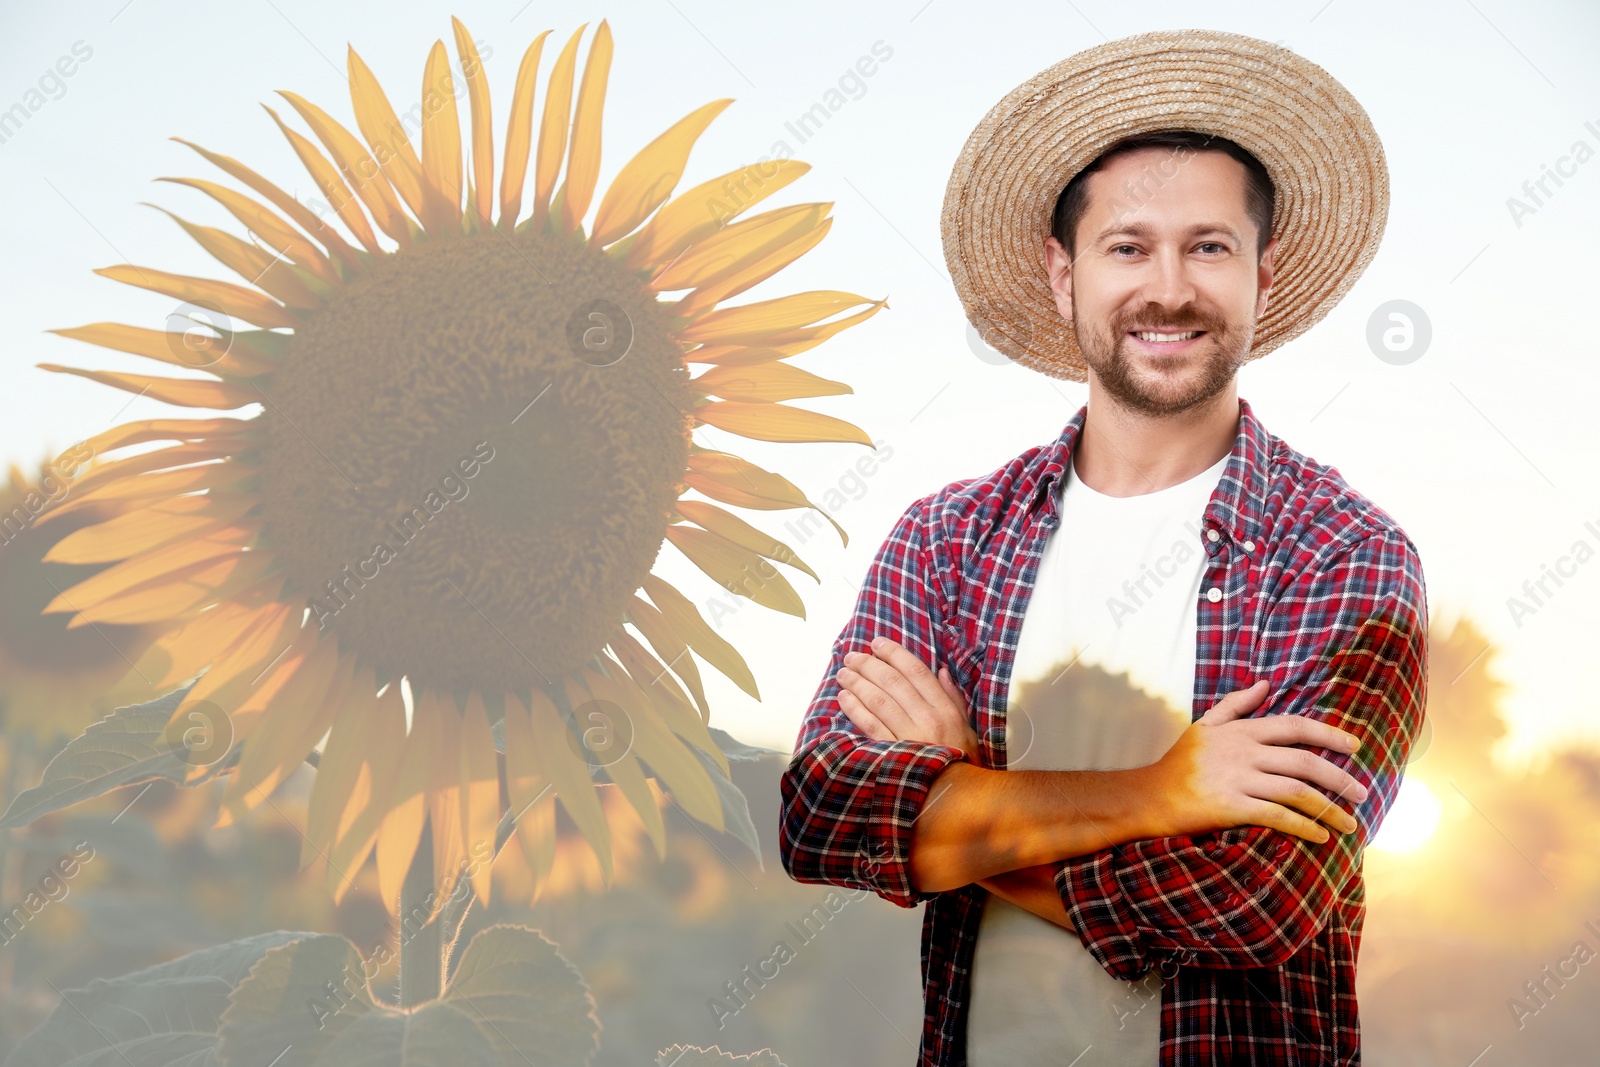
(1204, 373)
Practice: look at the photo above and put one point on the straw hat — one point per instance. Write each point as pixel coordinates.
(1317, 144)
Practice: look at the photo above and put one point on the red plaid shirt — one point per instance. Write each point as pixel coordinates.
(1256, 930)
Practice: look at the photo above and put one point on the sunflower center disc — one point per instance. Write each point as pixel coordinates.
(470, 457)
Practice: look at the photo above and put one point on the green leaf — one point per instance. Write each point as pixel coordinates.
(162, 1016)
(736, 818)
(694, 1056)
(513, 1002)
(125, 748)
(737, 750)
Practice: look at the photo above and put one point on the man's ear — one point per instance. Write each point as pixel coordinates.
(1264, 273)
(1058, 272)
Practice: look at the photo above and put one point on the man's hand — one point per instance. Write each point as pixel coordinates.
(892, 695)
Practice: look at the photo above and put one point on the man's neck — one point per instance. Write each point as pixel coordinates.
(1124, 453)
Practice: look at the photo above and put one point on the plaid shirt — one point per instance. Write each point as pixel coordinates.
(1307, 584)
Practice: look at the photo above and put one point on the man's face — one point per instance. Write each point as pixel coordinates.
(1165, 246)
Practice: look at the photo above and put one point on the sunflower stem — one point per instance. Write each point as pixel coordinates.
(421, 958)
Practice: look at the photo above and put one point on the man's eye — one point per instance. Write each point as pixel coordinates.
(1214, 244)
(1117, 248)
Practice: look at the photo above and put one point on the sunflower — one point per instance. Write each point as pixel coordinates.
(55, 679)
(474, 438)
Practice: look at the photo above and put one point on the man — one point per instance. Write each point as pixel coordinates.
(1127, 781)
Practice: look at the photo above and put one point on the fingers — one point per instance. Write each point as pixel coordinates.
(864, 720)
(1237, 703)
(1294, 794)
(864, 695)
(1302, 730)
(1309, 767)
(900, 673)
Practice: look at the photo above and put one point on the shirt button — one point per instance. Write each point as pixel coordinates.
(1212, 535)
(1249, 546)
(1213, 594)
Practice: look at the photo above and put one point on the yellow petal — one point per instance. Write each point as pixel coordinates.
(531, 793)
(185, 392)
(519, 134)
(191, 350)
(766, 322)
(646, 180)
(332, 185)
(258, 267)
(297, 212)
(266, 225)
(665, 696)
(736, 247)
(674, 766)
(482, 124)
(343, 782)
(441, 147)
(583, 168)
(385, 751)
(130, 467)
(480, 793)
(553, 128)
(183, 653)
(621, 765)
(147, 567)
(759, 270)
(736, 569)
(774, 422)
(181, 593)
(142, 531)
(685, 618)
(144, 430)
(401, 829)
(766, 383)
(444, 797)
(548, 744)
(384, 134)
(356, 164)
(695, 214)
(235, 301)
(154, 486)
(670, 646)
(728, 525)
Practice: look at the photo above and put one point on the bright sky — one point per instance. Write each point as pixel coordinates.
(1477, 448)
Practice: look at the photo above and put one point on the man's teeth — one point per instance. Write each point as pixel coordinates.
(1157, 337)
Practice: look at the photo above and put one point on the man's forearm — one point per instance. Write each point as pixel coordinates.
(979, 822)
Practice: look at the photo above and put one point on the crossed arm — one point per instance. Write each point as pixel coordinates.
(1347, 644)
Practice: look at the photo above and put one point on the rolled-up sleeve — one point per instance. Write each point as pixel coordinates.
(849, 801)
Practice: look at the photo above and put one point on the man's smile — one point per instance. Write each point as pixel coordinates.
(1163, 342)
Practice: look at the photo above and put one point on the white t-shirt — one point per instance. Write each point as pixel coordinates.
(1116, 594)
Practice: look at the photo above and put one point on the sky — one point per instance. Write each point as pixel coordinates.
(1477, 446)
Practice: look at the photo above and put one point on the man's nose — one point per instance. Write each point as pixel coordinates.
(1168, 282)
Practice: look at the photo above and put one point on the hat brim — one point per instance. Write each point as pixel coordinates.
(1316, 142)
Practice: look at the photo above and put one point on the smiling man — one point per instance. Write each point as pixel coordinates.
(1127, 781)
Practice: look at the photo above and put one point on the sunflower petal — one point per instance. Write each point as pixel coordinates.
(652, 678)
(235, 301)
(125, 468)
(728, 525)
(180, 593)
(142, 531)
(444, 797)
(519, 135)
(144, 430)
(355, 162)
(154, 486)
(180, 654)
(684, 617)
(697, 213)
(646, 180)
(401, 830)
(384, 134)
(193, 351)
(547, 744)
(674, 766)
(532, 796)
(621, 767)
(759, 270)
(343, 782)
(480, 794)
(482, 124)
(297, 212)
(553, 128)
(583, 167)
(766, 383)
(441, 148)
(384, 750)
(257, 266)
(274, 231)
(145, 568)
(184, 392)
(328, 180)
(765, 321)
(670, 646)
(737, 246)
(774, 422)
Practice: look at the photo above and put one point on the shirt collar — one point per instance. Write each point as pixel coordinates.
(1235, 508)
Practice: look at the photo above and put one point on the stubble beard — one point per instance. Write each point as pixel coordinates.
(1221, 353)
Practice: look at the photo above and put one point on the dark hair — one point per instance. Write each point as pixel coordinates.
(1258, 195)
